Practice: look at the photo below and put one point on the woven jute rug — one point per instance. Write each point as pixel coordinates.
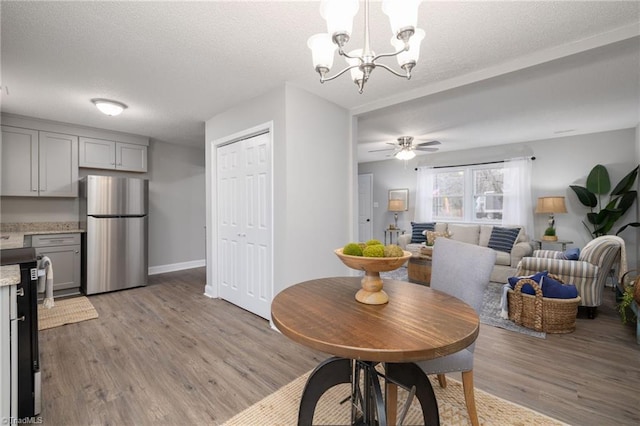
(66, 311)
(281, 408)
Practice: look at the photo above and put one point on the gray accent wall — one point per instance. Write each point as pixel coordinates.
(560, 162)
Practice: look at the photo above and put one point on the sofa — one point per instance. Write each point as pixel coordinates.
(509, 250)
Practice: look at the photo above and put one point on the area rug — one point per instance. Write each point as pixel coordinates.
(490, 313)
(281, 408)
(66, 311)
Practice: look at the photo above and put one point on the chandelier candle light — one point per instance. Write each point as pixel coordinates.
(339, 14)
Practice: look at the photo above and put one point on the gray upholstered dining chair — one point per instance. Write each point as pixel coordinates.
(463, 271)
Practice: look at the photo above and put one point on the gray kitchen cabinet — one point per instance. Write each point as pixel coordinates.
(65, 253)
(8, 352)
(106, 154)
(39, 164)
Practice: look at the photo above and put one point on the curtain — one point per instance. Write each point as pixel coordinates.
(517, 207)
(424, 195)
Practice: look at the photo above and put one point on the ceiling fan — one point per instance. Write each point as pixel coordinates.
(404, 148)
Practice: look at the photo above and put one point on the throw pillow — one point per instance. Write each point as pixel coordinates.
(503, 239)
(417, 231)
(527, 288)
(571, 254)
(433, 235)
(555, 289)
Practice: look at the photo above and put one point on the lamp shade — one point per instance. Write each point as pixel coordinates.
(403, 14)
(413, 53)
(356, 73)
(339, 15)
(396, 206)
(322, 50)
(551, 205)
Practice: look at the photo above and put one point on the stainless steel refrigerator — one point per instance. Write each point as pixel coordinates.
(113, 212)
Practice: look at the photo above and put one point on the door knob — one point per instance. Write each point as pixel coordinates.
(368, 220)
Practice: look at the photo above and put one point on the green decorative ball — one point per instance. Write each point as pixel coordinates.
(352, 249)
(393, 250)
(376, 250)
(373, 243)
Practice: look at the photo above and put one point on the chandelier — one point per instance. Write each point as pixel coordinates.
(339, 14)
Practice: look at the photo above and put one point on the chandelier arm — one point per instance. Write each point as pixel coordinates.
(388, 55)
(346, 55)
(340, 73)
(391, 70)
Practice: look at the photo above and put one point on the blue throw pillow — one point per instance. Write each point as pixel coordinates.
(571, 254)
(556, 290)
(417, 229)
(502, 239)
(527, 288)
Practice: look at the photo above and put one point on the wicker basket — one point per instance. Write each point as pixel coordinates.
(542, 313)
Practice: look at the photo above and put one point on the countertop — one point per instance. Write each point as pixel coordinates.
(16, 239)
(9, 275)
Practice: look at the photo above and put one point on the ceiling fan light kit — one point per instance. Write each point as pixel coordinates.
(339, 14)
(404, 149)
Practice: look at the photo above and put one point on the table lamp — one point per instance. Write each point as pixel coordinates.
(551, 205)
(396, 206)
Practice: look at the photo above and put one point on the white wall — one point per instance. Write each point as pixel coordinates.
(311, 175)
(560, 162)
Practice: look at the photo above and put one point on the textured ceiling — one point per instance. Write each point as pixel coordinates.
(177, 64)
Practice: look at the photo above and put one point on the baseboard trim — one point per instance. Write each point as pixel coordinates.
(161, 269)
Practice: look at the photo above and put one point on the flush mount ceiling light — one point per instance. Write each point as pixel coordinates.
(339, 14)
(109, 107)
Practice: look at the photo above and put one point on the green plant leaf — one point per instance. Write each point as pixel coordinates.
(632, 224)
(627, 201)
(586, 197)
(626, 183)
(598, 180)
(593, 218)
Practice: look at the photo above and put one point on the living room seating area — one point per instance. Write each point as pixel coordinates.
(511, 243)
(589, 272)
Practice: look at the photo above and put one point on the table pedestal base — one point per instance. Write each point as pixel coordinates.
(368, 405)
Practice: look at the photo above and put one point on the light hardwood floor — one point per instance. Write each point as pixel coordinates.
(167, 355)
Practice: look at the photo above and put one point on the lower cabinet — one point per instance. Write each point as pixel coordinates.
(65, 252)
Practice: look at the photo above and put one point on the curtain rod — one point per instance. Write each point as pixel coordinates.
(472, 164)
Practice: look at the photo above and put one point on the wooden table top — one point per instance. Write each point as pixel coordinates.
(418, 323)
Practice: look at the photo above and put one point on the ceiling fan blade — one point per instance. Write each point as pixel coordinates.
(426, 149)
(379, 150)
(428, 143)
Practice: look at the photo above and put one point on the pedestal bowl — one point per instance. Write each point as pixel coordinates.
(371, 292)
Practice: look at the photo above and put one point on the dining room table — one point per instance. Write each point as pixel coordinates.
(373, 344)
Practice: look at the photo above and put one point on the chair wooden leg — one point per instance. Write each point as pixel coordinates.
(391, 402)
(442, 380)
(467, 384)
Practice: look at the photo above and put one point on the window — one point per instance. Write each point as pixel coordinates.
(468, 194)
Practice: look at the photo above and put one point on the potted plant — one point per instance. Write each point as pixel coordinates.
(550, 234)
(602, 216)
(625, 303)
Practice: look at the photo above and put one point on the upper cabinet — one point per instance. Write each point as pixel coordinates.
(105, 154)
(37, 163)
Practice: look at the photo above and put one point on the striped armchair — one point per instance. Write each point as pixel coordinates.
(589, 273)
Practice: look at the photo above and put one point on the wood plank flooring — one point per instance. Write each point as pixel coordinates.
(167, 355)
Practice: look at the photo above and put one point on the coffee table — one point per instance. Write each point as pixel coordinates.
(418, 323)
(419, 269)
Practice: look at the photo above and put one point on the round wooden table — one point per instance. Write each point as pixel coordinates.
(418, 323)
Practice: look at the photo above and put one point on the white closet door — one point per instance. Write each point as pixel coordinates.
(244, 224)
